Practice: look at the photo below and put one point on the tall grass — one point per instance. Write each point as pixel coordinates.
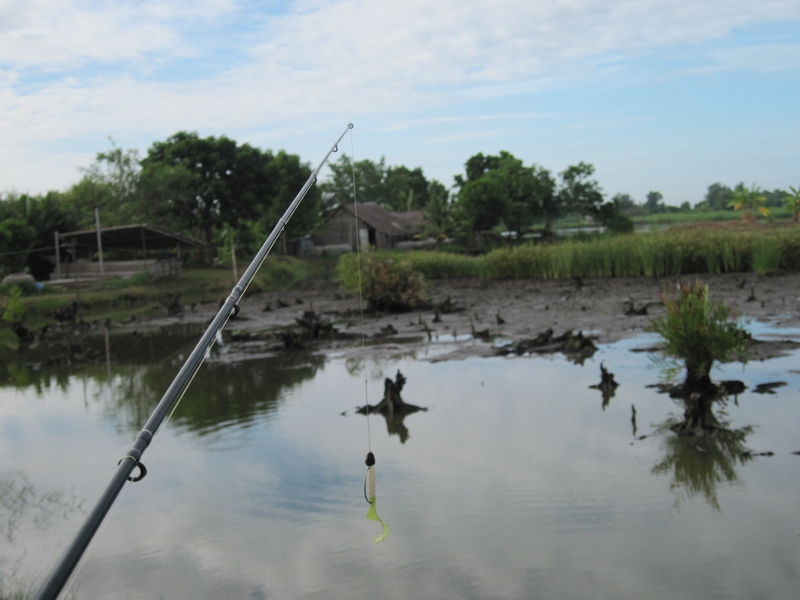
(653, 254)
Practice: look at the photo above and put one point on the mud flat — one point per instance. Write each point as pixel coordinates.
(468, 316)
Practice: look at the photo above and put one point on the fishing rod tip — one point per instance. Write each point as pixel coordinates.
(349, 125)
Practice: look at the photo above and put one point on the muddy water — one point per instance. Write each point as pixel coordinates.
(518, 482)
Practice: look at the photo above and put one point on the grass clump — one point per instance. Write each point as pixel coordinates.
(698, 332)
(386, 284)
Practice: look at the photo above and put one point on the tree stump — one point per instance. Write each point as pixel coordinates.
(392, 403)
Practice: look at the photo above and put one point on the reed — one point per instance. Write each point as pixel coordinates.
(653, 254)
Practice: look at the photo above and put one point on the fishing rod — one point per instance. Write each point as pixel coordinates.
(63, 569)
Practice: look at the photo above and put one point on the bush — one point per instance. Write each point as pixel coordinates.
(385, 283)
(698, 332)
(14, 309)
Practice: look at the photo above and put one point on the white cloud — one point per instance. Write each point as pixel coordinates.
(59, 34)
(80, 70)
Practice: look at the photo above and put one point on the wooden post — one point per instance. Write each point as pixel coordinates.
(144, 249)
(58, 257)
(77, 285)
(99, 238)
(233, 257)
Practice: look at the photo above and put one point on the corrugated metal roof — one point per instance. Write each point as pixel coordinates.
(129, 237)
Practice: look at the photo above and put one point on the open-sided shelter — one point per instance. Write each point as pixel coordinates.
(134, 248)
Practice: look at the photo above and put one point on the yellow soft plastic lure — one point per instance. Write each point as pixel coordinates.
(369, 495)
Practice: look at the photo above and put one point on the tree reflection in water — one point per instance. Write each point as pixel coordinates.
(222, 394)
(141, 367)
(21, 505)
(702, 450)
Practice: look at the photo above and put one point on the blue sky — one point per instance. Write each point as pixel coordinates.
(667, 95)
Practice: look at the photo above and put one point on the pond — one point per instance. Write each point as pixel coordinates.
(519, 481)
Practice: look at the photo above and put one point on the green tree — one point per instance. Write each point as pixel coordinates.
(624, 202)
(41, 216)
(287, 175)
(748, 201)
(579, 193)
(16, 241)
(370, 178)
(791, 200)
(406, 189)
(438, 208)
(612, 216)
(774, 199)
(718, 196)
(110, 184)
(501, 190)
(205, 183)
(654, 203)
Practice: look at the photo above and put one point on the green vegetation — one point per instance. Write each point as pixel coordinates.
(141, 297)
(792, 202)
(698, 332)
(387, 283)
(14, 309)
(682, 251)
(749, 201)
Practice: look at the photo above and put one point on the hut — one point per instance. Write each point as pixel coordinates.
(374, 225)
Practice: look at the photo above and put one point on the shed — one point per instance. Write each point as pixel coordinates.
(134, 241)
(376, 227)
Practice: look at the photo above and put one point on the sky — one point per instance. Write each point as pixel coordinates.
(662, 95)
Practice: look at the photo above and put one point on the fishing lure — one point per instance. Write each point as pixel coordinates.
(369, 496)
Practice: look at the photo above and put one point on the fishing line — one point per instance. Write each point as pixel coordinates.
(369, 479)
(360, 294)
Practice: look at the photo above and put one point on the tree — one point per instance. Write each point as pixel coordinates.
(792, 202)
(16, 237)
(205, 183)
(579, 193)
(624, 202)
(438, 208)
(718, 196)
(29, 223)
(370, 178)
(287, 175)
(501, 190)
(774, 199)
(748, 201)
(612, 217)
(406, 189)
(654, 203)
(110, 184)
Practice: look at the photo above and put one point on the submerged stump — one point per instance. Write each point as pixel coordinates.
(392, 403)
(393, 408)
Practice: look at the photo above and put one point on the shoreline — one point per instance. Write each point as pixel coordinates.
(471, 310)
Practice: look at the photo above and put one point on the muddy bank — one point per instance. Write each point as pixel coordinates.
(467, 317)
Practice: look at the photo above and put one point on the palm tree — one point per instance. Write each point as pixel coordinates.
(792, 201)
(749, 201)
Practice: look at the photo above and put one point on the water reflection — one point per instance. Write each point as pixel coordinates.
(22, 505)
(607, 386)
(702, 450)
(393, 408)
(222, 394)
(135, 369)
